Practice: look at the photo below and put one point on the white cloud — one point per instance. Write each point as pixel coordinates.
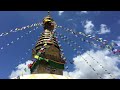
(88, 27)
(20, 70)
(60, 13)
(83, 12)
(69, 19)
(118, 21)
(117, 42)
(103, 29)
(118, 37)
(83, 70)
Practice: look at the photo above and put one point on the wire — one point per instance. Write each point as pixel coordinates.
(20, 29)
(83, 58)
(12, 42)
(65, 38)
(104, 42)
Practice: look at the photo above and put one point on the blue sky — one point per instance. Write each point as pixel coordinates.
(104, 24)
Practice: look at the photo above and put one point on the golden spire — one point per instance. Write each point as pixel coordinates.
(48, 50)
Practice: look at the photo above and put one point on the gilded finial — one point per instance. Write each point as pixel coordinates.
(48, 13)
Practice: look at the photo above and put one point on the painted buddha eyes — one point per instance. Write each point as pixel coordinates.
(54, 70)
(50, 69)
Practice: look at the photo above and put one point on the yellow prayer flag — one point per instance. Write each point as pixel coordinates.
(36, 56)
